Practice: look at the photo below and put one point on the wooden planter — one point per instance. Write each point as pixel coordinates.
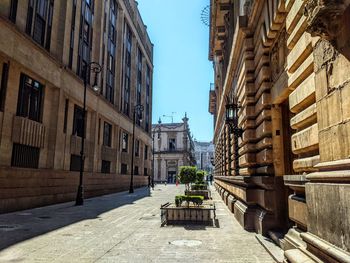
(204, 214)
(205, 193)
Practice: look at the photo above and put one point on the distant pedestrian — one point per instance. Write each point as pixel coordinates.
(211, 179)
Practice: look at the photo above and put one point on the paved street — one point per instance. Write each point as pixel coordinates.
(123, 228)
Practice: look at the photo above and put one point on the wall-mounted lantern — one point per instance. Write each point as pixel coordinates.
(231, 120)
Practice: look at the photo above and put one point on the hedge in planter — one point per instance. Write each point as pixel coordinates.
(199, 187)
(195, 199)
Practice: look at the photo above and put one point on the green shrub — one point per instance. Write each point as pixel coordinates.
(187, 175)
(195, 199)
(200, 177)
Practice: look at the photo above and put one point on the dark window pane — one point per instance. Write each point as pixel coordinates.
(65, 116)
(75, 163)
(39, 30)
(124, 168)
(107, 134)
(13, 11)
(146, 152)
(25, 156)
(78, 128)
(30, 98)
(3, 85)
(137, 148)
(125, 141)
(105, 167)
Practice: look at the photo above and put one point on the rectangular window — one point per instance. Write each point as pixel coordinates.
(172, 144)
(75, 162)
(146, 152)
(13, 11)
(137, 147)
(3, 85)
(127, 70)
(72, 32)
(30, 98)
(85, 38)
(99, 131)
(125, 141)
(105, 167)
(65, 116)
(124, 168)
(39, 21)
(148, 92)
(78, 129)
(145, 172)
(107, 134)
(136, 170)
(25, 156)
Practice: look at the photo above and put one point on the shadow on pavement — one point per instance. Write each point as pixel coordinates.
(22, 225)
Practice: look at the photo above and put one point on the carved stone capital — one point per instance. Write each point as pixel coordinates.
(324, 17)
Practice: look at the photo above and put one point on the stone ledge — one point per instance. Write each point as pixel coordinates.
(330, 176)
(335, 253)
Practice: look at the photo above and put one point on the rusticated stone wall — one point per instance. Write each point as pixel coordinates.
(27, 188)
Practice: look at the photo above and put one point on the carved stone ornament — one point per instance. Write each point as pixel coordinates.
(248, 7)
(324, 17)
(324, 54)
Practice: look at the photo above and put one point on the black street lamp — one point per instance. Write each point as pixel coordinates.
(137, 113)
(232, 108)
(95, 68)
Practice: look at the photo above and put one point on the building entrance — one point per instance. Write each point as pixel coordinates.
(171, 177)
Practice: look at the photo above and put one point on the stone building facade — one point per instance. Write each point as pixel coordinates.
(204, 153)
(285, 64)
(173, 147)
(45, 46)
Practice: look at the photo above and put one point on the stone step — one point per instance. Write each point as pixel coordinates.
(275, 251)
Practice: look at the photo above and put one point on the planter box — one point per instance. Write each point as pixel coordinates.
(205, 193)
(204, 214)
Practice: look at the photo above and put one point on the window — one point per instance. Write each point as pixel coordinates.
(25, 156)
(107, 134)
(72, 32)
(145, 172)
(139, 81)
(125, 141)
(124, 168)
(75, 163)
(148, 92)
(78, 128)
(136, 170)
(146, 152)
(65, 116)
(39, 21)
(3, 85)
(127, 70)
(172, 144)
(105, 167)
(13, 11)
(30, 98)
(137, 148)
(85, 38)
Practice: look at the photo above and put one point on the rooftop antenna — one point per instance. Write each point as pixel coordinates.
(170, 116)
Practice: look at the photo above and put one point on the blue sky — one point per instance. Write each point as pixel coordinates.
(182, 72)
